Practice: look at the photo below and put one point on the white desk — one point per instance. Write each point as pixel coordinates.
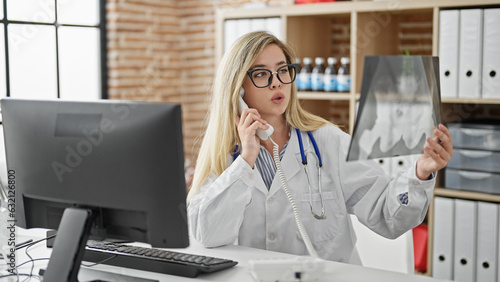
(334, 271)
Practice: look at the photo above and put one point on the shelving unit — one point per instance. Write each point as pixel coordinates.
(470, 101)
(374, 29)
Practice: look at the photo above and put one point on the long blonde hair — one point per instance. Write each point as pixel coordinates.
(221, 135)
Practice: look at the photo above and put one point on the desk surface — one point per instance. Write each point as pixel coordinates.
(334, 271)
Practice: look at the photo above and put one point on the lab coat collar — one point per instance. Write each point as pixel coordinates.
(289, 162)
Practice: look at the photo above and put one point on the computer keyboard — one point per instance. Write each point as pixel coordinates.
(154, 260)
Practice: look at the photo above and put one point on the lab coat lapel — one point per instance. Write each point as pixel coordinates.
(290, 163)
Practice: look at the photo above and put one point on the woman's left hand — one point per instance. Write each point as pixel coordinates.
(437, 153)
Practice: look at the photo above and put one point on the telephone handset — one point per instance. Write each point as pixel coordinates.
(263, 134)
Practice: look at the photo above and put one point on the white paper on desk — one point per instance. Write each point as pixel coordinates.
(443, 244)
(399, 107)
(491, 54)
(471, 49)
(487, 241)
(449, 23)
(465, 240)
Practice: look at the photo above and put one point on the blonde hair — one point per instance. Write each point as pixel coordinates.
(221, 135)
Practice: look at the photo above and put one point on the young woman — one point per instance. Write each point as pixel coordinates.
(237, 197)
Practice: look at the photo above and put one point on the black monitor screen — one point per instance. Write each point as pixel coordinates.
(123, 161)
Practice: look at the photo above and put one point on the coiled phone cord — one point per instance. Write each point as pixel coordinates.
(295, 208)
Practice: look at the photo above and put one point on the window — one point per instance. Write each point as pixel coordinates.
(53, 49)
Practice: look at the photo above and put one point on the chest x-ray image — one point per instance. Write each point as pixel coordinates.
(399, 107)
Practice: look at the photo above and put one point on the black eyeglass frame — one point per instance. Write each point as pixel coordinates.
(294, 66)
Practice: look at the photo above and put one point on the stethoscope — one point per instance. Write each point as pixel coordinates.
(319, 165)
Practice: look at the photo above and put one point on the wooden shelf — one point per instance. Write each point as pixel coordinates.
(466, 195)
(335, 96)
(470, 101)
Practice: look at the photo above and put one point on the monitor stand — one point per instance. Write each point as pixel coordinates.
(69, 245)
(69, 248)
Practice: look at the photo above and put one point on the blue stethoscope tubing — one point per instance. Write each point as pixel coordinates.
(301, 146)
(320, 165)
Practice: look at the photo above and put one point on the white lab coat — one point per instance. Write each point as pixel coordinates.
(237, 208)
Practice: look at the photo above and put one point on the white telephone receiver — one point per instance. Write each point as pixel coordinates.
(263, 134)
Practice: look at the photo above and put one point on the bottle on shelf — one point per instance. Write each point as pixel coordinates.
(330, 76)
(317, 74)
(304, 77)
(298, 62)
(343, 76)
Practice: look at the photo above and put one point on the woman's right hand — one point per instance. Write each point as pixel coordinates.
(248, 123)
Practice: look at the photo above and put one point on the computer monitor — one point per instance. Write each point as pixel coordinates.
(104, 169)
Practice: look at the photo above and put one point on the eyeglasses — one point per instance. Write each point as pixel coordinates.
(263, 77)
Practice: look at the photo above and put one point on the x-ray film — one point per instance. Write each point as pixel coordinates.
(399, 107)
